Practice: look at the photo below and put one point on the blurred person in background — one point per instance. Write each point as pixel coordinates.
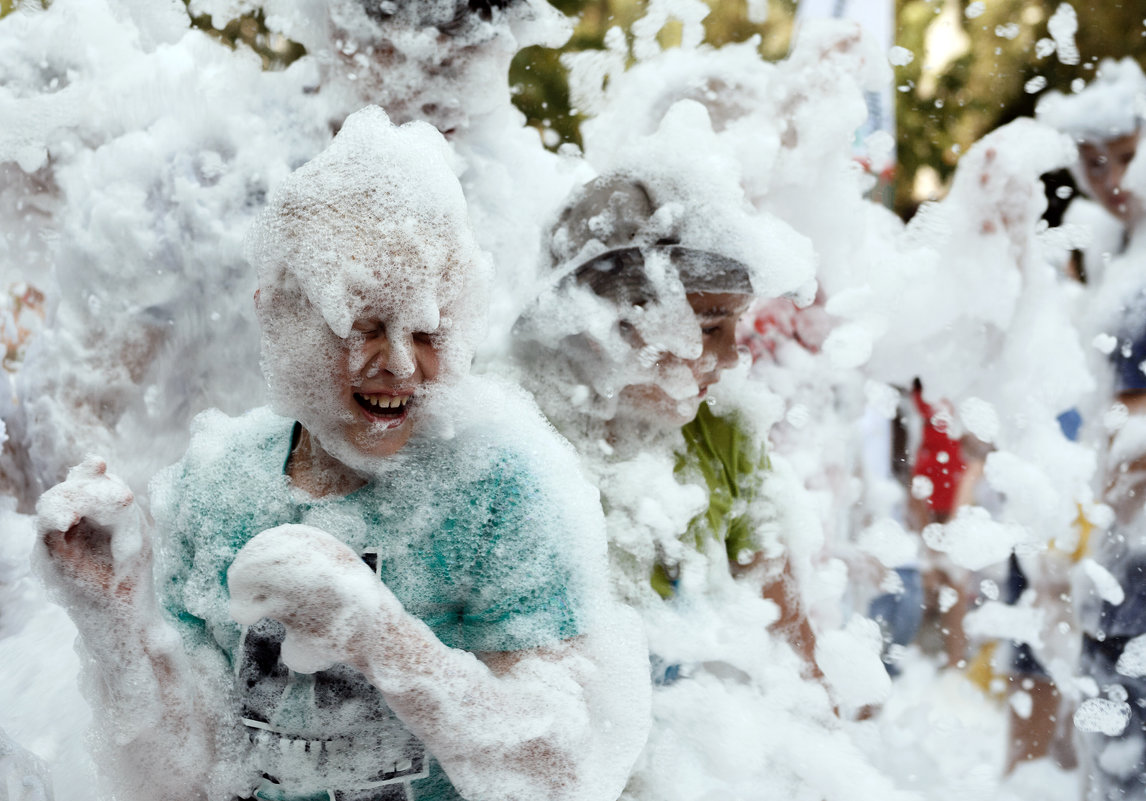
(1105, 120)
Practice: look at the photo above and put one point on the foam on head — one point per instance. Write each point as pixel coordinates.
(374, 227)
(444, 61)
(1110, 107)
(731, 83)
(622, 258)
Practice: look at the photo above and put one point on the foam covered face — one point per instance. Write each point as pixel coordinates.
(361, 395)
(680, 384)
(443, 73)
(1103, 166)
(385, 372)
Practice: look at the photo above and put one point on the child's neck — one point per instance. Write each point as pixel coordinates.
(315, 472)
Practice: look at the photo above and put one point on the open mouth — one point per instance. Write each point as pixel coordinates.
(383, 408)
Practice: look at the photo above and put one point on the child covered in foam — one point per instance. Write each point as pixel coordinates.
(389, 586)
(649, 269)
(650, 266)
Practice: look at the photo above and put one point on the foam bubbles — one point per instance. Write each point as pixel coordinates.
(900, 56)
(1107, 108)
(1105, 584)
(1132, 661)
(1062, 26)
(1103, 716)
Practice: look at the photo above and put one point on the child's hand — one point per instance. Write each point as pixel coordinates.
(89, 533)
(327, 598)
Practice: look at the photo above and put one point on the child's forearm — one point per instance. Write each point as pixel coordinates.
(153, 727)
(793, 624)
(94, 555)
(565, 722)
(523, 734)
(562, 722)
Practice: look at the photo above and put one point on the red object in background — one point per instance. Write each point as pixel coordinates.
(939, 458)
(772, 322)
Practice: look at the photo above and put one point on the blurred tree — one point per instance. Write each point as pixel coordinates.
(7, 6)
(978, 65)
(275, 50)
(539, 81)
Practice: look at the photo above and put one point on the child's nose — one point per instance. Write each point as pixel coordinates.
(727, 357)
(398, 358)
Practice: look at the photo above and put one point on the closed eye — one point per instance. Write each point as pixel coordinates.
(713, 321)
(370, 328)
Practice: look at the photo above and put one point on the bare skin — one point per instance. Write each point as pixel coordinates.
(793, 625)
(1046, 731)
(1104, 166)
(949, 622)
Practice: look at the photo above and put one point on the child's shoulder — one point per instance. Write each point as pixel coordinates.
(501, 429)
(226, 455)
(503, 443)
(253, 436)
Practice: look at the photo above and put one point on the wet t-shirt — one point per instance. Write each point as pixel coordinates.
(732, 465)
(458, 530)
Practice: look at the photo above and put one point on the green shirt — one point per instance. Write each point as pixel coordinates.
(460, 532)
(731, 463)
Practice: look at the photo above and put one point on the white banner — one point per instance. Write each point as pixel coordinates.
(878, 19)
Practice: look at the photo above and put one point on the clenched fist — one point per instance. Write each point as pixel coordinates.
(90, 536)
(325, 596)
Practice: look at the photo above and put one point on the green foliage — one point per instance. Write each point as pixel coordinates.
(540, 83)
(945, 106)
(8, 6)
(250, 30)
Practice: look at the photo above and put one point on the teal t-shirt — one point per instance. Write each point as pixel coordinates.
(460, 532)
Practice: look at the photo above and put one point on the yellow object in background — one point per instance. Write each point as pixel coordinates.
(981, 671)
(1084, 528)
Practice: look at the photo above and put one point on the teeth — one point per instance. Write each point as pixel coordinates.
(386, 401)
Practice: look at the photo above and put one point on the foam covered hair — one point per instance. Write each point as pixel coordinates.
(467, 21)
(377, 222)
(1111, 106)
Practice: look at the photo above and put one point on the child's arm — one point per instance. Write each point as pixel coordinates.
(563, 722)
(95, 555)
(793, 624)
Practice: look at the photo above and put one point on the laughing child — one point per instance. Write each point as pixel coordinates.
(388, 585)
